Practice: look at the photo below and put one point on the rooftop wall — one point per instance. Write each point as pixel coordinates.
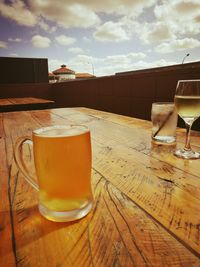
(23, 70)
(40, 90)
(129, 94)
(125, 93)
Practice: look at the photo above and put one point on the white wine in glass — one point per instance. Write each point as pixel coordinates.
(187, 102)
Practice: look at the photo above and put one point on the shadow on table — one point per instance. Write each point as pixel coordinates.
(24, 226)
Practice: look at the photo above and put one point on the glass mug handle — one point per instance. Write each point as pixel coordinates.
(20, 162)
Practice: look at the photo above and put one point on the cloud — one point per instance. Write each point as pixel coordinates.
(168, 21)
(18, 12)
(110, 32)
(119, 7)
(75, 50)
(185, 9)
(164, 26)
(23, 15)
(72, 14)
(182, 17)
(84, 14)
(109, 69)
(175, 17)
(84, 63)
(86, 39)
(65, 40)
(154, 32)
(111, 64)
(3, 44)
(16, 40)
(74, 64)
(84, 58)
(178, 45)
(55, 64)
(197, 19)
(46, 27)
(40, 41)
(107, 65)
(124, 59)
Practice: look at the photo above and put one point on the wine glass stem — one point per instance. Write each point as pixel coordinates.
(187, 141)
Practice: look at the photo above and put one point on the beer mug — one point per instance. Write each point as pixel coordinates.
(62, 159)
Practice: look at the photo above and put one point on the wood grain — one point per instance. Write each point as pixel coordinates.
(7, 239)
(24, 103)
(146, 208)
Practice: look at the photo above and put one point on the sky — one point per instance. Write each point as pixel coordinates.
(101, 36)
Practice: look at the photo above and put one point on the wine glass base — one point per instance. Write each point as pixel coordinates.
(186, 154)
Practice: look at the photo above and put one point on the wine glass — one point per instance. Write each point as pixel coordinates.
(187, 102)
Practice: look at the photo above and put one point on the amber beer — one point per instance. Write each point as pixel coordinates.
(62, 158)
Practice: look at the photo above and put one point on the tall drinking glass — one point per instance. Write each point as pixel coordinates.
(187, 102)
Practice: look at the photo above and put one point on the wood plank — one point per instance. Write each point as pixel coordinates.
(141, 202)
(5, 102)
(112, 234)
(101, 239)
(157, 179)
(134, 122)
(7, 238)
(24, 103)
(29, 100)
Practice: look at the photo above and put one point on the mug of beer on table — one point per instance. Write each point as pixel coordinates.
(63, 162)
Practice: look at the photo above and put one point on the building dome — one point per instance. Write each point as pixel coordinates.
(64, 73)
(63, 70)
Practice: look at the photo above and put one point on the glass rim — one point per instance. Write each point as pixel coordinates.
(162, 103)
(43, 130)
(189, 80)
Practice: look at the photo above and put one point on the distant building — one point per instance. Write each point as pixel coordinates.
(84, 76)
(64, 74)
(23, 70)
(52, 78)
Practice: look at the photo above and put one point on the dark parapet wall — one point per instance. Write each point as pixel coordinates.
(38, 90)
(130, 93)
(23, 70)
(164, 70)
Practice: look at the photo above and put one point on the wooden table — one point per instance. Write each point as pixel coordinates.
(24, 103)
(147, 201)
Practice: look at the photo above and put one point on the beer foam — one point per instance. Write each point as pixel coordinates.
(61, 131)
